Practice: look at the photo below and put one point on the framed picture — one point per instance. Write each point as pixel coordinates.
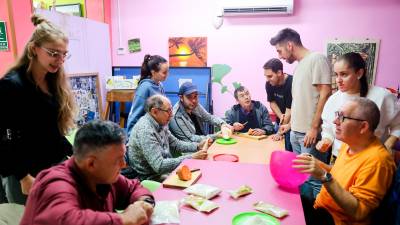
(367, 48)
(86, 89)
(69, 9)
(134, 45)
(187, 51)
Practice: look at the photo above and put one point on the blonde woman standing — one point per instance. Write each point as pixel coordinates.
(37, 110)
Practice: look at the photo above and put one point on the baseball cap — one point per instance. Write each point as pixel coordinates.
(187, 88)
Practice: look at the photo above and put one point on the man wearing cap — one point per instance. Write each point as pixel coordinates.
(189, 116)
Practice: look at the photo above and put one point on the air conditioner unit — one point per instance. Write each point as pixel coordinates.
(256, 7)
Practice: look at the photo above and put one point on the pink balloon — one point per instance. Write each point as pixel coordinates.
(282, 171)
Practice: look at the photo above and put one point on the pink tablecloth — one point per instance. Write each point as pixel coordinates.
(227, 176)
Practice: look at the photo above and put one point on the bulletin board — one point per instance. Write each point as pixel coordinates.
(85, 87)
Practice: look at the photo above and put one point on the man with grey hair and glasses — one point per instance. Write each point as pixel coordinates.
(362, 174)
(152, 146)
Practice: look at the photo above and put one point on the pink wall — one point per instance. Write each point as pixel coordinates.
(20, 13)
(243, 43)
(95, 10)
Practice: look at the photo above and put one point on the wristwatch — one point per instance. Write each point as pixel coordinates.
(327, 177)
(150, 201)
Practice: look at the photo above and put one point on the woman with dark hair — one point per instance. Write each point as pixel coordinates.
(38, 109)
(154, 70)
(352, 82)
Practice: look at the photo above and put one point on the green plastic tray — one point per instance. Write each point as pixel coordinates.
(229, 141)
(241, 218)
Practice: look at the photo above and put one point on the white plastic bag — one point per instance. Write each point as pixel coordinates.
(203, 190)
(199, 203)
(270, 209)
(165, 212)
(242, 190)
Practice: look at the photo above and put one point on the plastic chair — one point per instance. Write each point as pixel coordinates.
(11, 214)
(151, 185)
(71, 136)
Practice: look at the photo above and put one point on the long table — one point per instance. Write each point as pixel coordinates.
(228, 176)
(248, 150)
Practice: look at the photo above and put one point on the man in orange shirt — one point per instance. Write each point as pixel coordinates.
(361, 175)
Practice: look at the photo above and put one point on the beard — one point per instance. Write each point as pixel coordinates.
(189, 106)
(290, 59)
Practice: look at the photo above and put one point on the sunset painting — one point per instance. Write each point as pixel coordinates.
(188, 51)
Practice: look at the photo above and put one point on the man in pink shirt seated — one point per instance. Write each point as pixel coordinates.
(88, 187)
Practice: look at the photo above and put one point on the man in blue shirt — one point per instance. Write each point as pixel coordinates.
(249, 114)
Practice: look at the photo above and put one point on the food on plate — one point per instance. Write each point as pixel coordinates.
(250, 131)
(226, 132)
(184, 173)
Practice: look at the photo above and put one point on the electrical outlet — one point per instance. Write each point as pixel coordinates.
(120, 51)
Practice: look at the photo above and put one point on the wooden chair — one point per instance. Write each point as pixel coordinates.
(121, 96)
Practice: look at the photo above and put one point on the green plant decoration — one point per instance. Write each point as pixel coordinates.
(219, 71)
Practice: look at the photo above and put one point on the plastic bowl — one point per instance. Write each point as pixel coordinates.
(282, 171)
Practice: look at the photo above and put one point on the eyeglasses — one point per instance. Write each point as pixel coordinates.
(56, 54)
(339, 115)
(169, 110)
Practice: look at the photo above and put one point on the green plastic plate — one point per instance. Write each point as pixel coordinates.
(229, 141)
(241, 218)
